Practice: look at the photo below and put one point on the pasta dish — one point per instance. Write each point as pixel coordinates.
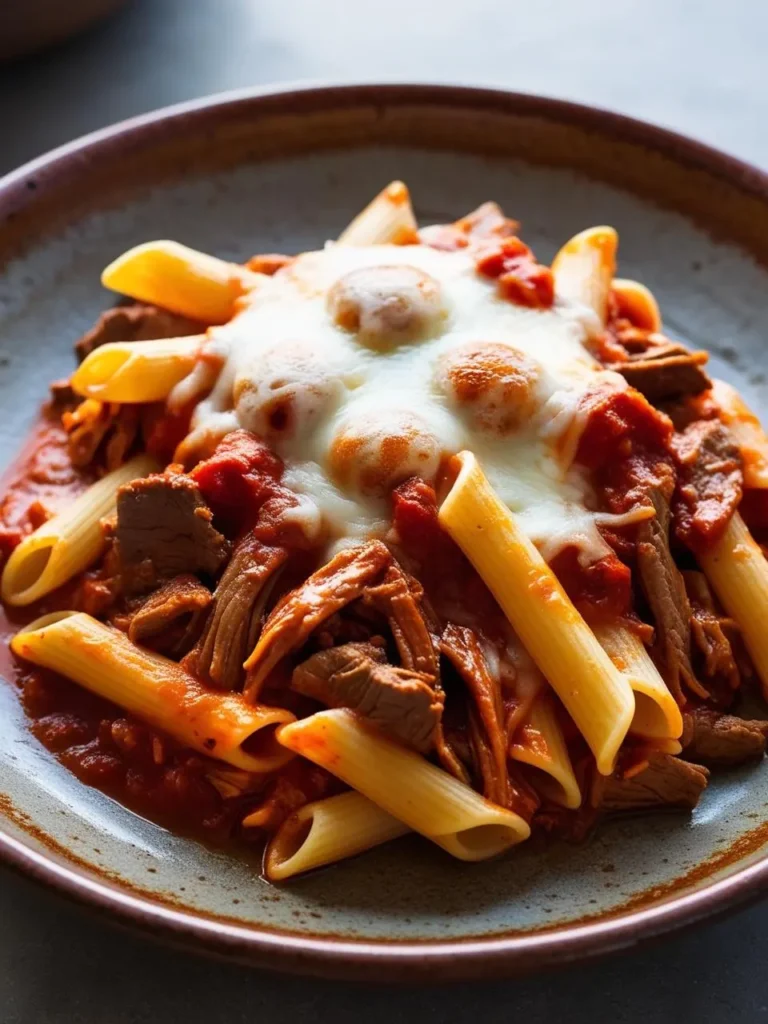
(412, 533)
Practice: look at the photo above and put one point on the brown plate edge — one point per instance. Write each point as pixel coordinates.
(378, 960)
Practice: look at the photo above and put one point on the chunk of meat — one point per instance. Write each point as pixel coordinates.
(397, 597)
(708, 632)
(665, 592)
(400, 702)
(709, 482)
(162, 520)
(488, 735)
(666, 781)
(233, 627)
(169, 619)
(137, 322)
(100, 426)
(331, 588)
(721, 741)
(661, 369)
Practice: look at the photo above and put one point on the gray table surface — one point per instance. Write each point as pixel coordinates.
(695, 65)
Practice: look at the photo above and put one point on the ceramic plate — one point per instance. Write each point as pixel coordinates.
(284, 171)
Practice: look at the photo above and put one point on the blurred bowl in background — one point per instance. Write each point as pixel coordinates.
(29, 25)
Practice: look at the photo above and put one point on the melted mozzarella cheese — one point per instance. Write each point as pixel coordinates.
(360, 368)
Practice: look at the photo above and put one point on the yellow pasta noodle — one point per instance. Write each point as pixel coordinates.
(181, 279)
(136, 371)
(583, 269)
(638, 303)
(657, 714)
(70, 541)
(327, 831)
(747, 432)
(405, 785)
(156, 690)
(387, 219)
(539, 742)
(597, 696)
(738, 572)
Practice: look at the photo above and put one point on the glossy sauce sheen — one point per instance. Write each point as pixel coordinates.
(364, 366)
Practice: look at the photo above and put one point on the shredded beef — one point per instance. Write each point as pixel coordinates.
(233, 626)
(164, 526)
(397, 597)
(665, 592)
(488, 736)
(707, 630)
(666, 781)
(400, 702)
(137, 322)
(101, 425)
(722, 740)
(709, 482)
(169, 620)
(331, 588)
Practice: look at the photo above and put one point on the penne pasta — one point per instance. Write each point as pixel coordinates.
(327, 831)
(70, 541)
(584, 269)
(637, 303)
(747, 432)
(738, 572)
(388, 219)
(539, 742)
(156, 690)
(136, 371)
(405, 785)
(181, 279)
(596, 695)
(657, 714)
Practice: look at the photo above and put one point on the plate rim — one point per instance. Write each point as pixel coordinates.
(380, 959)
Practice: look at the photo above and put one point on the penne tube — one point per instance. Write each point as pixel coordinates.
(181, 279)
(657, 714)
(70, 541)
(156, 690)
(539, 742)
(596, 695)
(327, 831)
(405, 785)
(738, 572)
(583, 269)
(387, 219)
(637, 303)
(747, 432)
(136, 371)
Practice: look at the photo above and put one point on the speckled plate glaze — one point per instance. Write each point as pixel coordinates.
(285, 170)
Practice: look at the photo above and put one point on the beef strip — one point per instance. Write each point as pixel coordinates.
(722, 740)
(169, 619)
(661, 369)
(665, 592)
(707, 630)
(162, 520)
(667, 781)
(399, 701)
(709, 482)
(488, 735)
(397, 597)
(666, 372)
(137, 322)
(233, 626)
(331, 588)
